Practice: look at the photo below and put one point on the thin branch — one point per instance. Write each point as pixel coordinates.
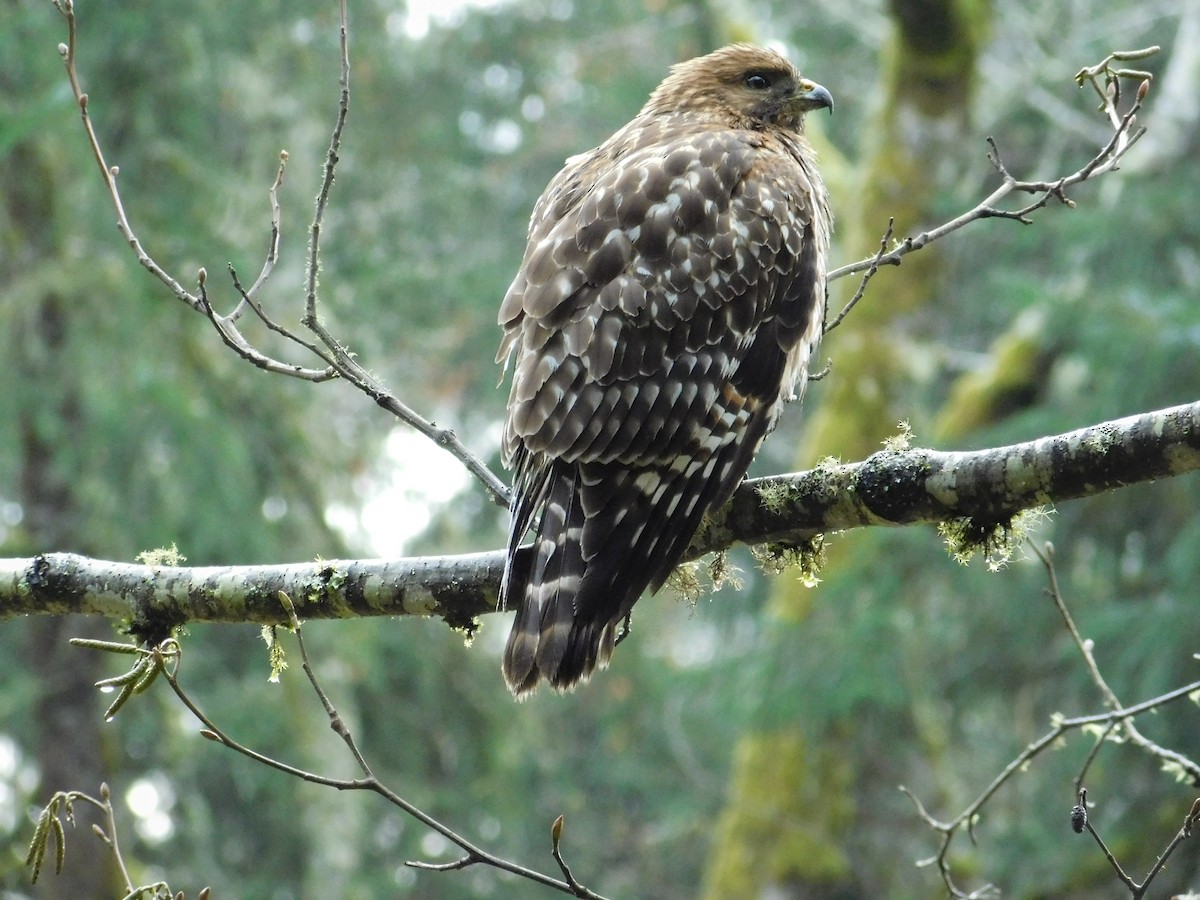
(1087, 761)
(107, 172)
(966, 818)
(336, 722)
(166, 658)
(867, 276)
(1112, 860)
(1125, 135)
(1185, 831)
(578, 889)
(311, 320)
(1138, 891)
(233, 339)
(1116, 716)
(49, 826)
(1086, 649)
(248, 299)
(339, 361)
(272, 255)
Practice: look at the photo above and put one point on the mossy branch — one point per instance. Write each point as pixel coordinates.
(984, 489)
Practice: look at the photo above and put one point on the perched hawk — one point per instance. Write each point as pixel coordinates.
(671, 292)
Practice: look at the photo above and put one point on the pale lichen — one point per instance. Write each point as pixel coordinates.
(162, 556)
(275, 655)
(996, 541)
(902, 439)
(721, 572)
(686, 582)
(693, 580)
(774, 495)
(807, 557)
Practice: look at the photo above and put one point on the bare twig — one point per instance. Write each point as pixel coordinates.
(556, 832)
(311, 319)
(1112, 860)
(1185, 832)
(234, 340)
(272, 255)
(1125, 135)
(49, 825)
(867, 276)
(1138, 890)
(165, 660)
(1086, 649)
(249, 300)
(1087, 761)
(339, 362)
(1117, 717)
(107, 172)
(968, 816)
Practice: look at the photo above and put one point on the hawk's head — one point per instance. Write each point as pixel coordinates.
(742, 85)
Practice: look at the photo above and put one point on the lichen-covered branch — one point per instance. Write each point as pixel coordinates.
(893, 487)
(906, 487)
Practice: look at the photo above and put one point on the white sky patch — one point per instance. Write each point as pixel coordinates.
(151, 799)
(17, 779)
(419, 15)
(415, 476)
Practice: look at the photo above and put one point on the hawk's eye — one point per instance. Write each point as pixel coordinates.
(756, 81)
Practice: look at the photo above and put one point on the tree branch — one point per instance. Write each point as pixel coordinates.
(893, 487)
(165, 659)
(1117, 717)
(338, 361)
(1125, 134)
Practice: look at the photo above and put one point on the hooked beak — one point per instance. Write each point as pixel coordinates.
(811, 95)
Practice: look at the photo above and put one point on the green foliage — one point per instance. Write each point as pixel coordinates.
(142, 431)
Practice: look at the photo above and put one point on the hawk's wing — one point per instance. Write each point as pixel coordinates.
(651, 284)
(671, 290)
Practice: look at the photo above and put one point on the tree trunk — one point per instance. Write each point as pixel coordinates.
(66, 732)
(794, 846)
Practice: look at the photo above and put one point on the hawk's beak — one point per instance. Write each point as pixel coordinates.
(810, 96)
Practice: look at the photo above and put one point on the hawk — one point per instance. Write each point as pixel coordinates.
(671, 292)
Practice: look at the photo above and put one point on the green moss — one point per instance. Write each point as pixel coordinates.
(807, 558)
(996, 541)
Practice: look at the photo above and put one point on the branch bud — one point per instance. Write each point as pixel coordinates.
(1193, 817)
(1143, 90)
(63, 50)
(556, 831)
(1078, 819)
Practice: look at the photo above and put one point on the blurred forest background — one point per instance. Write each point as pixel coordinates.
(750, 746)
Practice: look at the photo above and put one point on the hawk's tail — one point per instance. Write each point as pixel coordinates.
(543, 629)
(606, 534)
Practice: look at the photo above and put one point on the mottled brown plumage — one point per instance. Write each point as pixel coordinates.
(671, 292)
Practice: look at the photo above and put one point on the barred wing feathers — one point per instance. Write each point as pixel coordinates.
(671, 292)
